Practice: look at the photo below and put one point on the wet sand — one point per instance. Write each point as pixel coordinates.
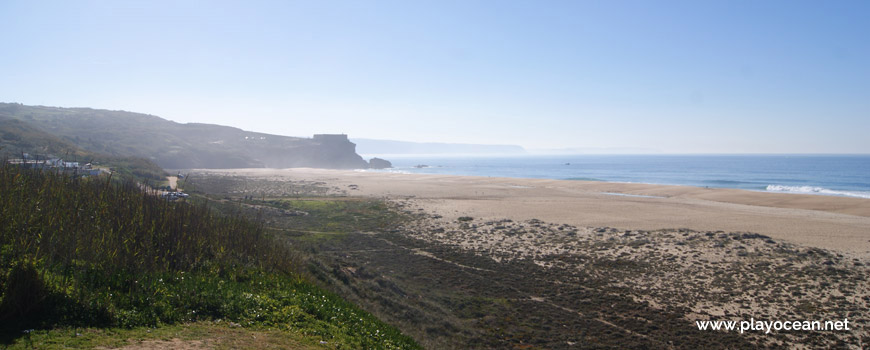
(837, 223)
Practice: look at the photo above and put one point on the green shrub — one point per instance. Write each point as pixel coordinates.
(98, 252)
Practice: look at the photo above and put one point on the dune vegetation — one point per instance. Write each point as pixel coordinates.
(104, 253)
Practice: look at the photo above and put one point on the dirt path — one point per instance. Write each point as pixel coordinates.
(172, 344)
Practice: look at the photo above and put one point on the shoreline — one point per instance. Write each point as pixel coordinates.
(830, 222)
(818, 193)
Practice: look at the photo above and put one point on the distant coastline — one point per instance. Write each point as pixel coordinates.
(393, 147)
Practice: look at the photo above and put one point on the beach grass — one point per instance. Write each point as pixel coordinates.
(98, 253)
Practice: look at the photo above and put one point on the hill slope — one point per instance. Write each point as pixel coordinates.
(94, 252)
(175, 145)
(18, 137)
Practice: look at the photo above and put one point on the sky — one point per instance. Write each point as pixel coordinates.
(657, 76)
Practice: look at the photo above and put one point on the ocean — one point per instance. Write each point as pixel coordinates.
(833, 175)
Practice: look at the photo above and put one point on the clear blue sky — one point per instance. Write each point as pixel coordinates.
(674, 76)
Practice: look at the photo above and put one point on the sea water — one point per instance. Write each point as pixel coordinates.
(835, 175)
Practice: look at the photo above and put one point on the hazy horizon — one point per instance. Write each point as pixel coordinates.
(670, 77)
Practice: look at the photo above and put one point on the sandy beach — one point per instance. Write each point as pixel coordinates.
(556, 247)
(837, 223)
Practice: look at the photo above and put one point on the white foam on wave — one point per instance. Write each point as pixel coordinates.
(389, 170)
(817, 190)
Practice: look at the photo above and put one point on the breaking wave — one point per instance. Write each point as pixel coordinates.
(817, 190)
(389, 170)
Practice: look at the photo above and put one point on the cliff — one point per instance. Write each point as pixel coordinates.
(178, 146)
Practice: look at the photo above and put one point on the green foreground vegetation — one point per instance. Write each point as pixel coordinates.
(198, 335)
(103, 254)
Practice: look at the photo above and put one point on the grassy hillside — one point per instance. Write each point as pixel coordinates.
(18, 137)
(180, 146)
(96, 253)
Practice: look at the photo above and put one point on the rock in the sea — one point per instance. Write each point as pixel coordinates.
(378, 163)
